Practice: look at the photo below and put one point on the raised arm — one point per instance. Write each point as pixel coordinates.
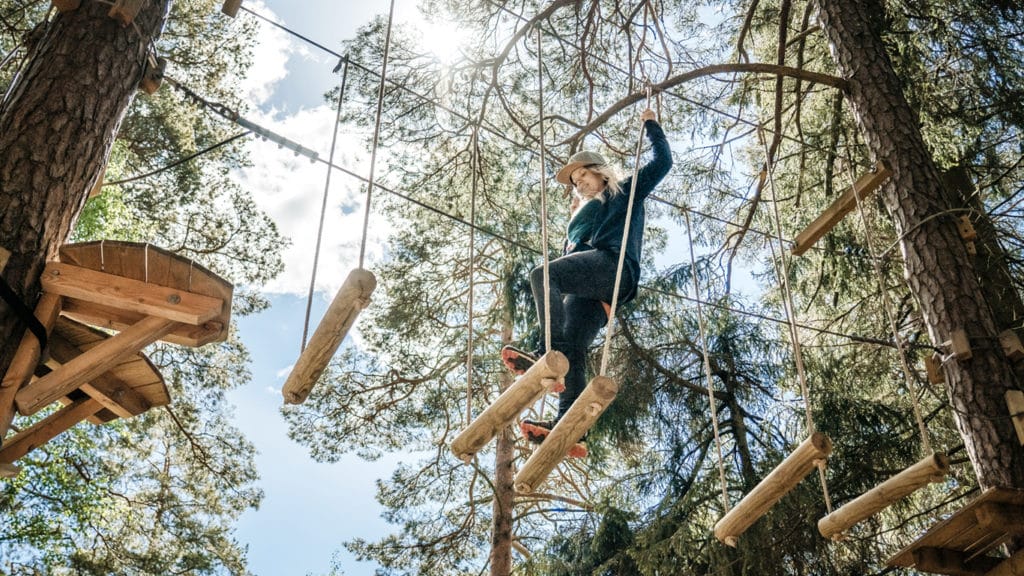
(651, 174)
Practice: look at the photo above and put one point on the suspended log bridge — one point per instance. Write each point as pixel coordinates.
(960, 544)
(587, 408)
(142, 292)
(526, 390)
(773, 487)
(932, 468)
(350, 300)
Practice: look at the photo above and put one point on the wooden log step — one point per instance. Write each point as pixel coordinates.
(587, 408)
(773, 487)
(526, 390)
(932, 468)
(350, 300)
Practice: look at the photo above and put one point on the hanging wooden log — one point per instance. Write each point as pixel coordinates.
(587, 408)
(847, 201)
(526, 390)
(353, 296)
(933, 468)
(779, 481)
(126, 10)
(90, 364)
(231, 7)
(26, 358)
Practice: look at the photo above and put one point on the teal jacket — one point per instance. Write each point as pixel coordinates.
(599, 225)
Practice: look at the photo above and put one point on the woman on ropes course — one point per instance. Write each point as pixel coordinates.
(582, 280)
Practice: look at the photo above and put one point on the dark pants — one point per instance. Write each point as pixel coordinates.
(579, 283)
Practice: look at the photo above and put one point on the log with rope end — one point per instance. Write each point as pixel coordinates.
(353, 296)
(591, 403)
(527, 389)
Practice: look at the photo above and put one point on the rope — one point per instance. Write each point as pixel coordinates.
(376, 133)
(474, 161)
(543, 199)
(323, 206)
(622, 251)
(791, 315)
(890, 315)
(707, 370)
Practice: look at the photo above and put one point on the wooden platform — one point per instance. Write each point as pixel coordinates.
(149, 265)
(960, 545)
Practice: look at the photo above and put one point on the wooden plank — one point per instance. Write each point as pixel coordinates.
(932, 468)
(116, 319)
(113, 393)
(91, 364)
(118, 292)
(526, 390)
(353, 296)
(587, 408)
(773, 487)
(847, 201)
(5, 255)
(25, 360)
(1011, 345)
(952, 562)
(994, 516)
(66, 5)
(46, 429)
(154, 265)
(125, 11)
(962, 532)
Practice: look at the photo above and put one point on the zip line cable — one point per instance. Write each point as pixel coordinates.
(179, 161)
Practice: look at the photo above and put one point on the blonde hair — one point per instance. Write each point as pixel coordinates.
(611, 178)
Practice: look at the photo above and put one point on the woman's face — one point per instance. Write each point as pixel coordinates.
(588, 183)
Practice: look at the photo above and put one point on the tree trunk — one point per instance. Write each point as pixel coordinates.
(504, 492)
(937, 266)
(56, 131)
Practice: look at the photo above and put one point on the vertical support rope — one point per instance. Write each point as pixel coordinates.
(323, 205)
(606, 352)
(474, 163)
(376, 133)
(543, 198)
(926, 445)
(707, 366)
(791, 313)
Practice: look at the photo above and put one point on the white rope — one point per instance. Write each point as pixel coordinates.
(791, 314)
(707, 367)
(926, 445)
(474, 162)
(543, 199)
(622, 247)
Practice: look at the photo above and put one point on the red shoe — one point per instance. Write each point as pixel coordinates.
(517, 360)
(535, 431)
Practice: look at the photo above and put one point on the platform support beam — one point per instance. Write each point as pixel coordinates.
(773, 487)
(847, 201)
(46, 429)
(26, 358)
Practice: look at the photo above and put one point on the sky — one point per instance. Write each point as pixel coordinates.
(309, 508)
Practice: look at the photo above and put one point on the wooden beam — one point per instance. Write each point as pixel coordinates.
(66, 5)
(91, 364)
(125, 11)
(350, 300)
(847, 201)
(5, 255)
(120, 292)
(1011, 345)
(117, 319)
(112, 393)
(46, 429)
(590, 404)
(933, 468)
(26, 358)
(1015, 404)
(1001, 517)
(1012, 566)
(526, 390)
(952, 562)
(775, 485)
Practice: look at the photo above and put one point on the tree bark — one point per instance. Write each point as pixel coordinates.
(504, 492)
(937, 266)
(56, 131)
